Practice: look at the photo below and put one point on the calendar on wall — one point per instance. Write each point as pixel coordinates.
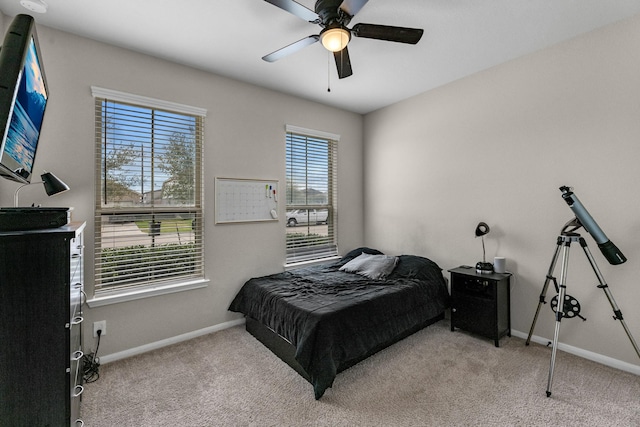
(246, 200)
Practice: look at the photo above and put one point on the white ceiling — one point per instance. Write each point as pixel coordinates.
(229, 38)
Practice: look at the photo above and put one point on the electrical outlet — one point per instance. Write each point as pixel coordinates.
(100, 326)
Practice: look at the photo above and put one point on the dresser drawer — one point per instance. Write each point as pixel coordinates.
(75, 400)
(75, 367)
(76, 246)
(76, 299)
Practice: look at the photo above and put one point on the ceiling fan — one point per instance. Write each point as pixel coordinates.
(334, 16)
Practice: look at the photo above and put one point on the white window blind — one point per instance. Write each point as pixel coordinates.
(311, 193)
(148, 207)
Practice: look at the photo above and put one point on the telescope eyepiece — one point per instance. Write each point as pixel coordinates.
(566, 195)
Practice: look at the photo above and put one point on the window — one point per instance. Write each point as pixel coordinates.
(148, 207)
(311, 193)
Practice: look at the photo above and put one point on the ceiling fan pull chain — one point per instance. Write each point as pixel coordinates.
(328, 71)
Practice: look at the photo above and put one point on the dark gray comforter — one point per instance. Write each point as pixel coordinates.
(334, 319)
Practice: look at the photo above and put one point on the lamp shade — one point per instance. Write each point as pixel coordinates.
(482, 229)
(53, 184)
(483, 267)
(335, 39)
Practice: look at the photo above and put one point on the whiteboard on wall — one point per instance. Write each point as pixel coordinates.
(246, 200)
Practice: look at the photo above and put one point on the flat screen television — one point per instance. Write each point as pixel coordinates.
(23, 99)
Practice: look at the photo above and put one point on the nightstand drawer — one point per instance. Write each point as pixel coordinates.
(476, 286)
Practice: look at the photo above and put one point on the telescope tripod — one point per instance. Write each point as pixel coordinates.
(565, 305)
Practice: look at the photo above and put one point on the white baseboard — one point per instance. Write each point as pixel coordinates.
(605, 360)
(169, 341)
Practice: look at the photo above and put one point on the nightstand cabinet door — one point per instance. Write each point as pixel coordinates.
(480, 303)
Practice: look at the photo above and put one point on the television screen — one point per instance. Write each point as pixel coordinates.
(23, 99)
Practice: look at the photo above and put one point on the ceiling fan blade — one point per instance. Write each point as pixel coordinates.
(297, 9)
(292, 48)
(385, 32)
(353, 6)
(343, 63)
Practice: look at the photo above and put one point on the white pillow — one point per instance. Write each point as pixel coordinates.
(371, 266)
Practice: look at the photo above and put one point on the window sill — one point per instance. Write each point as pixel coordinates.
(152, 291)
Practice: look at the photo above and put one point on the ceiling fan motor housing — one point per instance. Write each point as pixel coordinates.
(330, 13)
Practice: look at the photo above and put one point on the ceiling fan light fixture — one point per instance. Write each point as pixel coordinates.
(335, 39)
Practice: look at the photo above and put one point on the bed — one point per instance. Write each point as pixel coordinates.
(323, 319)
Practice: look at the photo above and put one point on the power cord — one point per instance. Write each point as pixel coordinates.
(91, 363)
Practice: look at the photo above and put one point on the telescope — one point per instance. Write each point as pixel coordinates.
(608, 249)
(565, 305)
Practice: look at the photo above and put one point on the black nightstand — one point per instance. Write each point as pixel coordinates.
(480, 303)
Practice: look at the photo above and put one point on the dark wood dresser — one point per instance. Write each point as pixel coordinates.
(41, 298)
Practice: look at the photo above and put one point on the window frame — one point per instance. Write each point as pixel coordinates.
(115, 293)
(304, 254)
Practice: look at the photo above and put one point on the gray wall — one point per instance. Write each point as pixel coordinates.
(495, 147)
(244, 138)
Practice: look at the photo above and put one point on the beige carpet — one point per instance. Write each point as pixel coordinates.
(433, 378)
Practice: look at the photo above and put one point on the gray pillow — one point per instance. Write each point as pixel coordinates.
(371, 266)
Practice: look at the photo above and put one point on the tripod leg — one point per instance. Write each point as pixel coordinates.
(541, 301)
(559, 312)
(603, 285)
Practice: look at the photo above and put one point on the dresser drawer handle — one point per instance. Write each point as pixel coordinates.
(77, 355)
(79, 423)
(77, 320)
(77, 391)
